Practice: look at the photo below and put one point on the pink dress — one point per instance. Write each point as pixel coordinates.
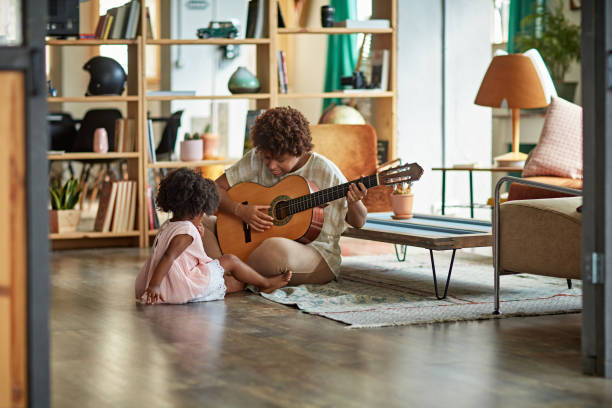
(192, 277)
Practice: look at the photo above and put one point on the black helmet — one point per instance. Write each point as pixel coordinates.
(107, 76)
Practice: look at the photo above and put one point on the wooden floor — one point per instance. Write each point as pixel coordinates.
(246, 351)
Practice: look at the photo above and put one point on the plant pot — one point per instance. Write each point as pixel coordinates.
(191, 150)
(401, 204)
(211, 141)
(61, 221)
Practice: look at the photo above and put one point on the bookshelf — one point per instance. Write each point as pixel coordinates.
(137, 101)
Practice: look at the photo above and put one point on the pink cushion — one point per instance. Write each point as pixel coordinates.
(559, 151)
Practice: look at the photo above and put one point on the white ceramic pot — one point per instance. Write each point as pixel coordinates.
(64, 220)
(191, 150)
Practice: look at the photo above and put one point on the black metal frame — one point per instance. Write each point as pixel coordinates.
(29, 58)
(402, 258)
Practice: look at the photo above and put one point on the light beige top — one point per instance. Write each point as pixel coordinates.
(320, 171)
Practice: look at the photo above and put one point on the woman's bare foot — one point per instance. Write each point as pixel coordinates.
(278, 282)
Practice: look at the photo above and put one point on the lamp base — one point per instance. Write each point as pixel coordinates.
(512, 159)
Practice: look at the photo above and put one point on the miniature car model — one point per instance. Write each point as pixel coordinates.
(218, 29)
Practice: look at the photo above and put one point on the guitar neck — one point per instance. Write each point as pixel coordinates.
(321, 197)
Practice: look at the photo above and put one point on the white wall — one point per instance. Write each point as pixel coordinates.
(202, 68)
(420, 100)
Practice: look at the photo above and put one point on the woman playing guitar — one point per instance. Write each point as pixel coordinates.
(282, 147)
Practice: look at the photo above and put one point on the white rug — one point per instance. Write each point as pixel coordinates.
(377, 291)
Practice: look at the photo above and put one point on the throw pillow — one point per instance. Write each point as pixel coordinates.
(559, 151)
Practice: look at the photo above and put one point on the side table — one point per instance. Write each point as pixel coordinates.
(470, 171)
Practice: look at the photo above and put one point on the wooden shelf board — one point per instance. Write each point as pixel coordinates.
(90, 99)
(153, 232)
(339, 94)
(335, 30)
(201, 163)
(203, 97)
(209, 41)
(92, 234)
(93, 156)
(87, 42)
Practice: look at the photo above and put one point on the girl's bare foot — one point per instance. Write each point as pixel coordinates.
(278, 282)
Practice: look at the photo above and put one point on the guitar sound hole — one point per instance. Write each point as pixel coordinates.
(281, 211)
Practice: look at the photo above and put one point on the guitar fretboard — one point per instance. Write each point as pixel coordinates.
(321, 197)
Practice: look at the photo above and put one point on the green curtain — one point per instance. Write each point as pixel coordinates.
(519, 9)
(342, 52)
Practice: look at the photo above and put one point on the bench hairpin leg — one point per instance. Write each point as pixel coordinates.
(448, 277)
(402, 250)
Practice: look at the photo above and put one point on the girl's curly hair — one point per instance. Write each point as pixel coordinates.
(281, 131)
(187, 194)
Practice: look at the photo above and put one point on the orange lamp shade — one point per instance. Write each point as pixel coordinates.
(511, 82)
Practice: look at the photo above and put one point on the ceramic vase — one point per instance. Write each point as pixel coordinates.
(243, 81)
(401, 204)
(191, 150)
(100, 144)
(211, 142)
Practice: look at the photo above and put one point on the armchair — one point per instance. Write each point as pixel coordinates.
(353, 149)
(540, 236)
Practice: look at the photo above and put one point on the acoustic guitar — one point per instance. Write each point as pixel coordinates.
(295, 206)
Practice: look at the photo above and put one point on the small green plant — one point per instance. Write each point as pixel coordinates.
(557, 39)
(404, 188)
(64, 197)
(193, 136)
(208, 128)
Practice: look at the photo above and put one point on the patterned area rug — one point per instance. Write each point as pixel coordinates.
(377, 291)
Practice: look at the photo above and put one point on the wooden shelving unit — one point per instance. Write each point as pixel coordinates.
(137, 101)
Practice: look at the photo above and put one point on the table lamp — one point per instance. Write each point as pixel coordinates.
(512, 82)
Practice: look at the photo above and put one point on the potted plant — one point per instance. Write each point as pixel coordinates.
(192, 147)
(402, 200)
(557, 40)
(63, 217)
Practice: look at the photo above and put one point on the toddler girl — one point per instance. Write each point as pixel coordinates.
(178, 270)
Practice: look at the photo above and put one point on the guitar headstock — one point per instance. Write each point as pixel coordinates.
(400, 174)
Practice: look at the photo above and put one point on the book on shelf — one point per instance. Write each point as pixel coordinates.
(380, 70)
(129, 135)
(119, 22)
(131, 27)
(132, 214)
(103, 205)
(119, 206)
(151, 141)
(372, 23)
(149, 25)
(282, 72)
(107, 27)
(283, 58)
(110, 207)
(252, 115)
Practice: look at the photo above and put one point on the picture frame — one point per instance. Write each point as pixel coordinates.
(575, 4)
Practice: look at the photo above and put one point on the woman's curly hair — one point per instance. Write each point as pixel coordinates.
(281, 131)
(187, 194)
